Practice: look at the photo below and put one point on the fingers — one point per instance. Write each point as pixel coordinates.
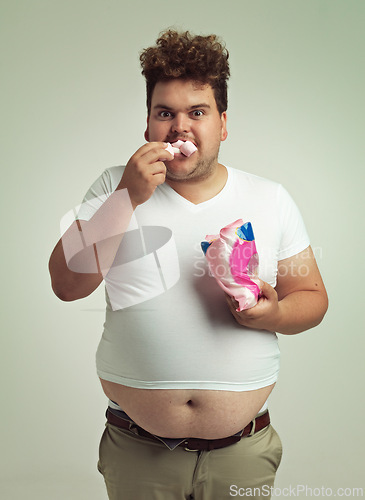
(265, 315)
(150, 161)
(144, 171)
(153, 152)
(267, 291)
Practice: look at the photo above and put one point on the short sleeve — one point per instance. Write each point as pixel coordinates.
(294, 236)
(99, 192)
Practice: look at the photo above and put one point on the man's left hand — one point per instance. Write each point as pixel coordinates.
(265, 315)
(298, 302)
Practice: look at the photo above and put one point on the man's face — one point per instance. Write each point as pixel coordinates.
(183, 109)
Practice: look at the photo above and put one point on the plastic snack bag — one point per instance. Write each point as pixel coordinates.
(233, 261)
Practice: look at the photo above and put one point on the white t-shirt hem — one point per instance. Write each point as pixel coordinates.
(216, 385)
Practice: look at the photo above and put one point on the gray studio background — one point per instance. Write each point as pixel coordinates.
(72, 104)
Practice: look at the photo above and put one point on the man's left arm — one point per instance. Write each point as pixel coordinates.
(298, 302)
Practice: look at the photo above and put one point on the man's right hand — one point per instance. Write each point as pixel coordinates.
(145, 171)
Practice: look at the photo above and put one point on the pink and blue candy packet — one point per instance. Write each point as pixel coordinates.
(233, 261)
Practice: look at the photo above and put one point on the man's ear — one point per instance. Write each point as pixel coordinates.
(146, 134)
(224, 132)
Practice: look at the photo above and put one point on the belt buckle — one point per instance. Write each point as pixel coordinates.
(188, 449)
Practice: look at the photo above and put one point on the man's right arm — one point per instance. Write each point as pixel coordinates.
(85, 253)
(70, 285)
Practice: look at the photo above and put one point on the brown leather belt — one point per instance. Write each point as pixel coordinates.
(196, 444)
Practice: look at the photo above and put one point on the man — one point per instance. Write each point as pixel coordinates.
(187, 376)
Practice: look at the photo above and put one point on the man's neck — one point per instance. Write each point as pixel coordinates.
(198, 191)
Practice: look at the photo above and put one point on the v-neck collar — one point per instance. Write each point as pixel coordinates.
(196, 207)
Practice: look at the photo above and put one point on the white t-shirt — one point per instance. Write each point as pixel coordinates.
(167, 323)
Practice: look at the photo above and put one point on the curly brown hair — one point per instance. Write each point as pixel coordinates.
(203, 59)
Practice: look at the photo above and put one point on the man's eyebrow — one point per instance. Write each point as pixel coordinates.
(202, 105)
(162, 106)
(195, 106)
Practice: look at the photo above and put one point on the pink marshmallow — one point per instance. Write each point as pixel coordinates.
(170, 149)
(188, 148)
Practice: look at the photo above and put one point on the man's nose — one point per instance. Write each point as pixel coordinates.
(180, 123)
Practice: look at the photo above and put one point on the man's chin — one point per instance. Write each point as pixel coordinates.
(178, 176)
(179, 171)
(187, 170)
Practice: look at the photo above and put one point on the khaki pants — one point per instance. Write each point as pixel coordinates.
(138, 468)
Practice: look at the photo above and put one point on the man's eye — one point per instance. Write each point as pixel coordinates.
(197, 113)
(165, 114)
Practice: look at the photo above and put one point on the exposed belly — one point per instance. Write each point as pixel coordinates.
(181, 413)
